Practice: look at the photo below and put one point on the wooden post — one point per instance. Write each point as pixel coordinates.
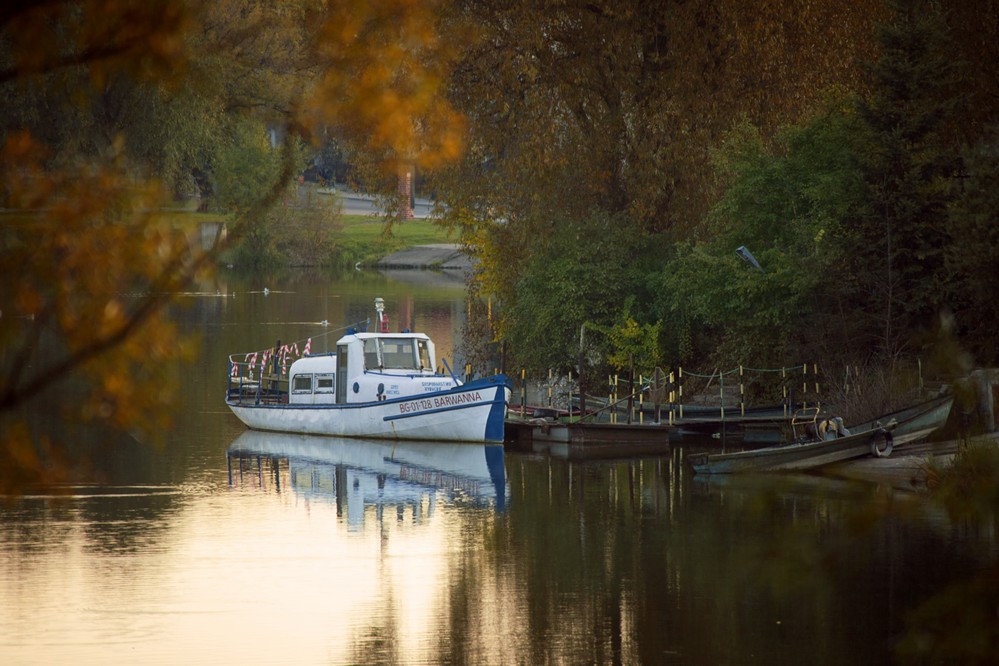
(549, 387)
(742, 393)
(523, 392)
(721, 398)
(617, 396)
(783, 388)
(568, 396)
(804, 385)
(641, 400)
(815, 373)
(631, 389)
(672, 396)
(582, 388)
(680, 390)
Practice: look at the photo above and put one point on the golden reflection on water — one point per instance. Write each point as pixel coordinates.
(203, 573)
(343, 560)
(276, 575)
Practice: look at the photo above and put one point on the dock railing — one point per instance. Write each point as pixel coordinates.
(674, 395)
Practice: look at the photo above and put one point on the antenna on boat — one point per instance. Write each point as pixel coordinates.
(383, 322)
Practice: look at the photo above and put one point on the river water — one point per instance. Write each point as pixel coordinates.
(221, 546)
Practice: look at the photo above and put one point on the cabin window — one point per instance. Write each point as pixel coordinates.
(325, 383)
(371, 354)
(424, 349)
(302, 384)
(398, 353)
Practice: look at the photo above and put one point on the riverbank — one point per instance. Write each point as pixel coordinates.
(908, 467)
(438, 256)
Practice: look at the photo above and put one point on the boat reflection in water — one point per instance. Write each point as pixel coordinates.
(358, 473)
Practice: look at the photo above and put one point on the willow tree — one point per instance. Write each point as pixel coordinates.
(96, 93)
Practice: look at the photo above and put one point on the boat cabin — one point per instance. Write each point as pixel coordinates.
(312, 380)
(367, 367)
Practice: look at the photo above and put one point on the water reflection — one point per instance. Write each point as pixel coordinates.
(357, 474)
(222, 546)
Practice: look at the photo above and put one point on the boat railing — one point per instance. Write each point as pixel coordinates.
(262, 375)
(250, 382)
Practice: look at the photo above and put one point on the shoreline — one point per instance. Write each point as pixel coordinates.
(439, 256)
(906, 468)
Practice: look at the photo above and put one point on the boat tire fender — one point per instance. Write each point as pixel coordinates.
(881, 444)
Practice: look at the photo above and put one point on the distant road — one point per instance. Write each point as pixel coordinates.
(358, 203)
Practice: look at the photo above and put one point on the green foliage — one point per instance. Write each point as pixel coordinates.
(305, 231)
(584, 273)
(634, 345)
(247, 166)
(787, 204)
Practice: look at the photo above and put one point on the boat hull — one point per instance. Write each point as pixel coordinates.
(472, 412)
(788, 457)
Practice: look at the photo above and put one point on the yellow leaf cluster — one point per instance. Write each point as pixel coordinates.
(385, 64)
(87, 265)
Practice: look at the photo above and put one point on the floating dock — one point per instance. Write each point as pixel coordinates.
(582, 441)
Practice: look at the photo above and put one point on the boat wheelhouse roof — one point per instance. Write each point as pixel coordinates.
(322, 363)
(372, 336)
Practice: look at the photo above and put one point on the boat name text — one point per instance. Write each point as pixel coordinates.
(438, 402)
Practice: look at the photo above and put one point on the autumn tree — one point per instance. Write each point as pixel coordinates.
(576, 107)
(109, 105)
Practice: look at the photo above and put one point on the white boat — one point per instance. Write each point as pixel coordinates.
(377, 385)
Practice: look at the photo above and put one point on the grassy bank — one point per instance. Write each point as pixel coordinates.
(364, 236)
(303, 237)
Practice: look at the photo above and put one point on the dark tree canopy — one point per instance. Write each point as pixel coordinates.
(577, 107)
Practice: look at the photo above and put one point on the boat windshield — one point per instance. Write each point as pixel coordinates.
(425, 362)
(371, 361)
(398, 353)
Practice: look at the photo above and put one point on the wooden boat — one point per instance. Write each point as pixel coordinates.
(796, 455)
(835, 444)
(377, 385)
